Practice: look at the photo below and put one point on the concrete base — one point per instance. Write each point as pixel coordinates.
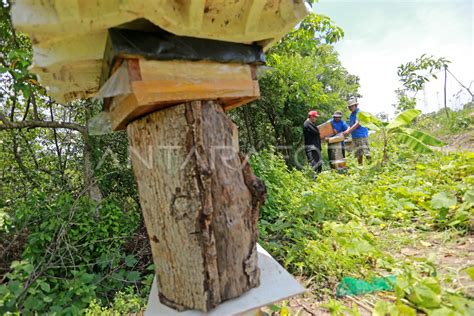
(276, 284)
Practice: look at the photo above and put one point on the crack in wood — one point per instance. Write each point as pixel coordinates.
(211, 282)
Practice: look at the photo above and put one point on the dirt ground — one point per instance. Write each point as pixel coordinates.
(450, 253)
(460, 142)
(451, 257)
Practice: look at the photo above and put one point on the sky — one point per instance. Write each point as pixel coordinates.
(380, 35)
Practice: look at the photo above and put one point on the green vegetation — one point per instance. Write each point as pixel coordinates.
(349, 225)
(72, 239)
(441, 126)
(302, 70)
(73, 253)
(414, 75)
(399, 129)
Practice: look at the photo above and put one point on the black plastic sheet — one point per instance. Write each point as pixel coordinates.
(161, 45)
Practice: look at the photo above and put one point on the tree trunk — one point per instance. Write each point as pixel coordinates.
(200, 202)
(90, 183)
(252, 143)
(385, 149)
(445, 80)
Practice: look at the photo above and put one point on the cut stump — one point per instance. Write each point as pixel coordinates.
(200, 202)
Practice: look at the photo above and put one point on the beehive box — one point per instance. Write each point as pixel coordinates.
(326, 130)
(151, 85)
(69, 37)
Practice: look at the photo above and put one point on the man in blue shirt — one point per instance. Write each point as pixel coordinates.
(360, 134)
(339, 126)
(337, 123)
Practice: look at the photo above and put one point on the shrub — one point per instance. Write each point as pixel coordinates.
(72, 255)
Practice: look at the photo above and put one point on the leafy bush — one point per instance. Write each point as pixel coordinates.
(322, 228)
(442, 126)
(72, 255)
(342, 250)
(419, 289)
(124, 303)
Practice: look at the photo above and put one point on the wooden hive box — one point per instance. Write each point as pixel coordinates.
(69, 37)
(151, 85)
(326, 130)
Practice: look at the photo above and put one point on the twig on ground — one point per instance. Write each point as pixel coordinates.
(306, 308)
(360, 303)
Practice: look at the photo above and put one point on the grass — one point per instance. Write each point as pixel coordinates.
(360, 224)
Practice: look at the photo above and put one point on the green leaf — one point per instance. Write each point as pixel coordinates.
(405, 310)
(133, 276)
(47, 299)
(468, 197)
(45, 287)
(15, 264)
(130, 260)
(413, 143)
(443, 200)
(274, 308)
(443, 311)
(151, 267)
(461, 304)
(383, 308)
(15, 287)
(28, 268)
(423, 137)
(86, 277)
(404, 118)
(470, 272)
(368, 120)
(426, 293)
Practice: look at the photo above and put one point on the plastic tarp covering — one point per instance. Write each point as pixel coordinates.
(161, 45)
(118, 85)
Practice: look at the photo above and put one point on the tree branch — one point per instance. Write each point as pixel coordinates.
(25, 115)
(19, 161)
(39, 124)
(466, 88)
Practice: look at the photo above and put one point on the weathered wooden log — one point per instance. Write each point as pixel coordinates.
(200, 202)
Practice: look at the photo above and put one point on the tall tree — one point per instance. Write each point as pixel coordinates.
(303, 72)
(415, 74)
(25, 107)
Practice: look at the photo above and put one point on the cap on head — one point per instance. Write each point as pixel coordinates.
(352, 101)
(337, 114)
(313, 113)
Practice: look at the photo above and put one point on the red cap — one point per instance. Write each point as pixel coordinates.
(313, 113)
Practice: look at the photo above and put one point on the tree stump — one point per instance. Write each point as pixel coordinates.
(200, 202)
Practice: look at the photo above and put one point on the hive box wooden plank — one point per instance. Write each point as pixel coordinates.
(336, 139)
(326, 130)
(155, 84)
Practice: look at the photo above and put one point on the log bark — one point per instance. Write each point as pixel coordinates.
(200, 201)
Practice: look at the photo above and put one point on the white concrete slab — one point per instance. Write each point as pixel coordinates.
(276, 284)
